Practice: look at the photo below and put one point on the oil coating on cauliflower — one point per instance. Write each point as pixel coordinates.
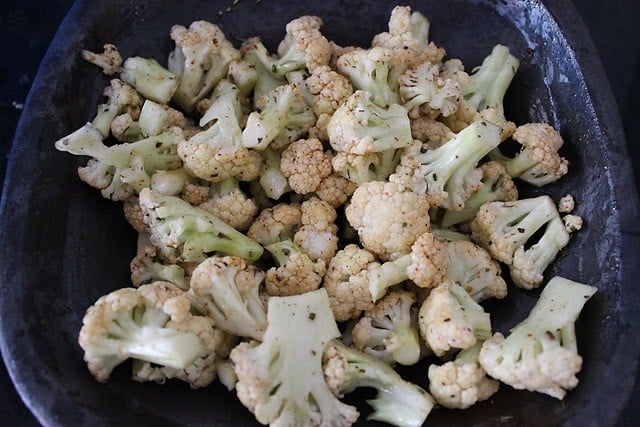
(305, 164)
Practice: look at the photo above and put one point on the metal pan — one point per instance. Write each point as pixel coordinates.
(63, 245)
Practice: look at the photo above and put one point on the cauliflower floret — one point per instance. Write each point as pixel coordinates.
(361, 168)
(304, 45)
(503, 228)
(390, 331)
(284, 117)
(398, 402)
(151, 323)
(122, 170)
(538, 162)
(425, 91)
(202, 371)
(425, 265)
(305, 164)
(194, 193)
(408, 37)
(276, 224)
(388, 217)
(231, 205)
(296, 272)
(472, 267)
(448, 175)
(217, 153)
(186, 233)
(430, 131)
(201, 58)
(281, 379)
(346, 282)
(227, 290)
(449, 318)
(329, 90)
(374, 71)
(540, 354)
(148, 266)
(317, 236)
(124, 129)
(335, 190)
(461, 383)
(497, 185)
(169, 183)
(109, 60)
(122, 98)
(359, 126)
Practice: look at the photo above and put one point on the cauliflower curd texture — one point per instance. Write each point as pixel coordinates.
(310, 216)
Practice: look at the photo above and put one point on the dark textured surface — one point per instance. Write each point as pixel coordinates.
(58, 314)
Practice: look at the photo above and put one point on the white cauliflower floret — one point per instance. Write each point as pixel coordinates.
(361, 168)
(122, 170)
(425, 265)
(149, 266)
(472, 267)
(408, 38)
(398, 402)
(448, 175)
(281, 378)
(374, 71)
(359, 126)
(201, 58)
(346, 282)
(449, 318)
(217, 153)
(303, 46)
(430, 131)
(317, 237)
(202, 371)
(388, 218)
(390, 331)
(497, 185)
(109, 60)
(335, 190)
(135, 323)
(329, 90)
(461, 383)
(538, 162)
(503, 228)
(122, 99)
(189, 234)
(540, 354)
(305, 164)
(276, 224)
(295, 274)
(229, 203)
(283, 117)
(425, 91)
(227, 290)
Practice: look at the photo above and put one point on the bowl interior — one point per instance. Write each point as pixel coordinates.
(73, 246)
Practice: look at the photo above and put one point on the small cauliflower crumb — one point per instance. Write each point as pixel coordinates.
(566, 204)
(572, 223)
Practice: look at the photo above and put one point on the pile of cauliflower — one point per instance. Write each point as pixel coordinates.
(278, 193)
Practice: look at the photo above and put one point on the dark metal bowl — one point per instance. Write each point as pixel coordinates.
(63, 245)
